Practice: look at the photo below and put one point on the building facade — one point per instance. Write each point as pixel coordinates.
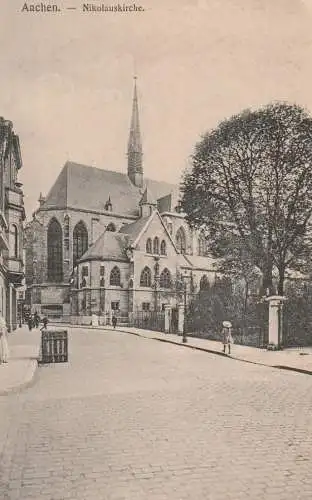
(104, 241)
(12, 215)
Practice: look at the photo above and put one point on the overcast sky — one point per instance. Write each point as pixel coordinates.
(66, 79)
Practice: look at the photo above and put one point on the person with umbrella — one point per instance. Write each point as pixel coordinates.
(227, 336)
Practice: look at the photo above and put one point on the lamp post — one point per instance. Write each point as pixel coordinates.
(185, 277)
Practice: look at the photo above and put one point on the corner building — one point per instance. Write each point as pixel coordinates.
(104, 241)
(12, 215)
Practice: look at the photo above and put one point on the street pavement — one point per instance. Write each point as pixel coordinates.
(131, 418)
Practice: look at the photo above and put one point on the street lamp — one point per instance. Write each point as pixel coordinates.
(185, 278)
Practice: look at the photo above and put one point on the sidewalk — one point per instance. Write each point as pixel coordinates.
(299, 360)
(24, 346)
(21, 368)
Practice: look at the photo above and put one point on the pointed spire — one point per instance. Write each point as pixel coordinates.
(41, 199)
(147, 203)
(135, 167)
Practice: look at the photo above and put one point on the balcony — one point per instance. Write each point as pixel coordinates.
(15, 271)
(14, 198)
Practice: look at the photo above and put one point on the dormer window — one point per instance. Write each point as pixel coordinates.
(108, 205)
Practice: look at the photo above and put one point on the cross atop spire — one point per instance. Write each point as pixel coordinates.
(135, 153)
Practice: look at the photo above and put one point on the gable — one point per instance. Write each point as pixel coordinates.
(154, 227)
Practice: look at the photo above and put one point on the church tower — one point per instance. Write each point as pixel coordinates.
(135, 164)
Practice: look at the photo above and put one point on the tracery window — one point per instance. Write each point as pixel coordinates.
(181, 240)
(146, 277)
(165, 279)
(55, 251)
(156, 245)
(149, 245)
(163, 248)
(80, 241)
(114, 278)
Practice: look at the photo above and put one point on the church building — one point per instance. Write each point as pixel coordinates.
(105, 242)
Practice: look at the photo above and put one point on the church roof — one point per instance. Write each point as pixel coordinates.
(203, 263)
(134, 229)
(109, 246)
(147, 198)
(88, 188)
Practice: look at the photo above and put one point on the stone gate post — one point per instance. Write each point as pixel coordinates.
(276, 319)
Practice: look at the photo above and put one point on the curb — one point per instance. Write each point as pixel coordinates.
(211, 351)
(203, 349)
(23, 385)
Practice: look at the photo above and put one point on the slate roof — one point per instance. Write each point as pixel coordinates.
(203, 263)
(133, 230)
(147, 198)
(88, 188)
(168, 202)
(109, 246)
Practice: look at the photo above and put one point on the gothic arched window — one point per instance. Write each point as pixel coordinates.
(111, 227)
(149, 245)
(180, 240)
(114, 278)
(202, 245)
(80, 241)
(55, 252)
(146, 277)
(156, 245)
(165, 279)
(163, 248)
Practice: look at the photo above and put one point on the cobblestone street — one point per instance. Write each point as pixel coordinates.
(133, 418)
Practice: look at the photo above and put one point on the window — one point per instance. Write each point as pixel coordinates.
(165, 279)
(149, 246)
(204, 283)
(202, 245)
(66, 232)
(102, 270)
(84, 271)
(55, 252)
(83, 283)
(163, 249)
(108, 205)
(115, 306)
(115, 276)
(111, 227)
(180, 240)
(145, 306)
(15, 241)
(80, 240)
(146, 277)
(102, 282)
(156, 245)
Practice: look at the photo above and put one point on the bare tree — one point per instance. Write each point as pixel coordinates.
(249, 185)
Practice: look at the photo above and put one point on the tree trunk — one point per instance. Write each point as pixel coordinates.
(267, 280)
(281, 280)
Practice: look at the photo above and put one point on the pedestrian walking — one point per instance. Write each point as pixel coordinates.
(114, 321)
(30, 322)
(4, 346)
(227, 336)
(36, 320)
(45, 322)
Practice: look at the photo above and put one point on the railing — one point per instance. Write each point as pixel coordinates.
(54, 346)
(148, 320)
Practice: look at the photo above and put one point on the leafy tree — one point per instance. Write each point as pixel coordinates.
(249, 187)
